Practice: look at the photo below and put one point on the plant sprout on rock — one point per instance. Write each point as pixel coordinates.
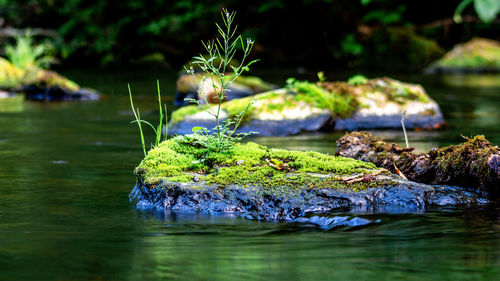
(220, 75)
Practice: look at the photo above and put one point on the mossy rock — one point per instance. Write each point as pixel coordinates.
(477, 55)
(325, 106)
(474, 164)
(190, 85)
(10, 75)
(40, 84)
(381, 102)
(181, 174)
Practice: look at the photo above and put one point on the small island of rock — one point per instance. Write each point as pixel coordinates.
(324, 106)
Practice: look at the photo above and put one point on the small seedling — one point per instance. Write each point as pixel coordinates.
(219, 73)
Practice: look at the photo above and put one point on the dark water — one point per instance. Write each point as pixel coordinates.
(66, 171)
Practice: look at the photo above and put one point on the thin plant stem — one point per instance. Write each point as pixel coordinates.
(166, 122)
(404, 129)
(138, 119)
(160, 124)
(224, 49)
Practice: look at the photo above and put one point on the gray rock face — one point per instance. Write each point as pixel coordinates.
(59, 94)
(258, 203)
(284, 127)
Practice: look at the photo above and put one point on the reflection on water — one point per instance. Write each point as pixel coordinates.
(66, 171)
(444, 245)
(11, 103)
(471, 80)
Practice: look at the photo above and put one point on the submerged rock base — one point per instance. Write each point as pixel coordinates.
(258, 203)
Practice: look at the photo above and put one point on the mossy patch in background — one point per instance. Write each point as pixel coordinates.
(477, 53)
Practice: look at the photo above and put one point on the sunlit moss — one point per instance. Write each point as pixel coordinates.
(341, 99)
(12, 77)
(390, 89)
(181, 113)
(182, 159)
(477, 53)
(338, 104)
(255, 83)
(357, 80)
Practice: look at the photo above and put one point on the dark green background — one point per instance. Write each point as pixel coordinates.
(316, 33)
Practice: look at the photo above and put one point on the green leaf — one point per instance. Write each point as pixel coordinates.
(457, 16)
(487, 10)
(198, 129)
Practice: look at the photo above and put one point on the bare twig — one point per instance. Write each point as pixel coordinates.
(404, 129)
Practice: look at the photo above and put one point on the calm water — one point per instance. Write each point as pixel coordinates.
(66, 171)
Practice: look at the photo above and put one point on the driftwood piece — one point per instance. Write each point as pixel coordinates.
(474, 163)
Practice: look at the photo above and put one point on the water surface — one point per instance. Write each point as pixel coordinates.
(66, 171)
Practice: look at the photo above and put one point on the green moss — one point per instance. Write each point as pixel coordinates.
(340, 98)
(236, 106)
(12, 77)
(48, 79)
(477, 53)
(338, 104)
(314, 162)
(179, 114)
(182, 159)
(378, 89)
(255, 83)
(357, 80)
(298, 92)
(471, 156)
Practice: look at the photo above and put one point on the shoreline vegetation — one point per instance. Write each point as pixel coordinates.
(400, 35)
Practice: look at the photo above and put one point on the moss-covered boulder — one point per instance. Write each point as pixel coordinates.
(190, 85)
(308, 107)
(382, 101)
(40, 84)
(474, 163)
(255, 181)
(477, 55)
(11, 102)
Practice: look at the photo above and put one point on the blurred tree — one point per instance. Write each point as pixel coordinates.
(291, 32)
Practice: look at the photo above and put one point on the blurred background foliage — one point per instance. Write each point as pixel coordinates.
(393, 34)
